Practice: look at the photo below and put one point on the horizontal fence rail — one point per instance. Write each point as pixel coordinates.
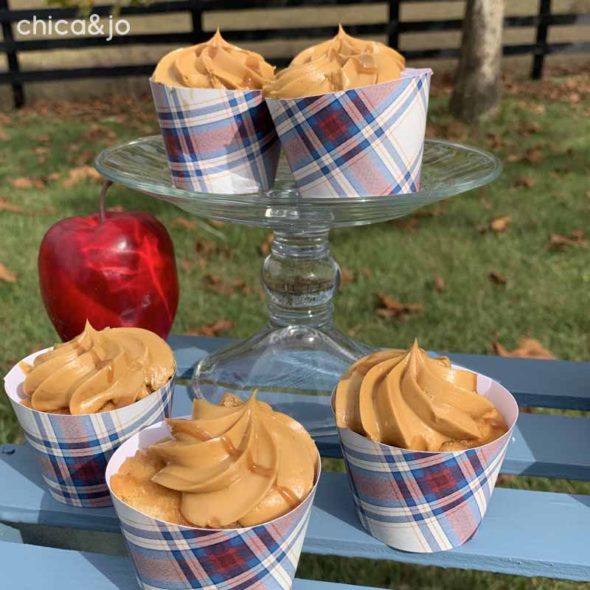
(16, 77)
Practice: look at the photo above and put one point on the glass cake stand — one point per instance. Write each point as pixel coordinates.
(297, 358)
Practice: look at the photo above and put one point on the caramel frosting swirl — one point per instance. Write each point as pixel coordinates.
(412, 401)
(237, 464)
(98, 371)
(341, 63)
(214, 64)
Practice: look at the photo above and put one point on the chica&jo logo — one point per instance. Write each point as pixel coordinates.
(94, 26)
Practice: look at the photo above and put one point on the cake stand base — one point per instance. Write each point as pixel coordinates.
(295, 362)
(294, 368)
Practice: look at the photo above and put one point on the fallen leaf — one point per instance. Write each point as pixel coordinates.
(346, 276)
(26, 182)
(456, 130)
(79, 174)
(502, 478)
(216, 223)
(6, 205)
(513, 158)
(500, 224)
(529, 127)
(527, 348)
(534, 156)
(186, 264)
(525, 181)
(265, 246)
(43, 138)
(97, 132)
(432, 130)
(116, 209)
(392, 308)
(218, 284)
(407, 223)
(206, 248)
(497, 278)
(212, 329)
(41, 153)
(431, 212)
(411, 222)
(7, 275)
(184, 222)
(4, 136)
(495, 140)
(82, 158)
(577, 237)
(211, 279)
(485, 203)
(575, 97)
(439, 284)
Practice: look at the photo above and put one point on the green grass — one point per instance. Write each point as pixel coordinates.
(546, 296)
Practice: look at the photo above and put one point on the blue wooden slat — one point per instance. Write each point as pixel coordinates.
(552, 384)
(73, 570)
(524, 532)
(532, 452)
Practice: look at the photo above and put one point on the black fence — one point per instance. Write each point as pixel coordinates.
(16, 77)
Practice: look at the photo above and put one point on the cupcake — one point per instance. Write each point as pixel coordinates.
(351, 118)
(78, 401)
(423, 442)
(218, 133)
(220, 500)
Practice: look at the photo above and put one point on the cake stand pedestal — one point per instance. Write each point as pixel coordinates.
(297, 358)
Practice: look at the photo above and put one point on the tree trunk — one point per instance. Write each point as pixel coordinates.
(477, 85)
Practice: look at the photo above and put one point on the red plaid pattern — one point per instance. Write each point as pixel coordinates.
(422, 501)
(217, 141)
(362, 142)
(73, 451)
(170, 556)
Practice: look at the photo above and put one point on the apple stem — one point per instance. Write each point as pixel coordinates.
(101, 203)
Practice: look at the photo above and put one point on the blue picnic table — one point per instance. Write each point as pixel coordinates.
(524, 532)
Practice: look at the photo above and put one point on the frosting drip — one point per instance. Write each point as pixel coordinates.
(237, 464)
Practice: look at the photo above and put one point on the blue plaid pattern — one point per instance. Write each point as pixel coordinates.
(174, 557)
(73, 451)
(421, 501)
(218, 141)
(362, 142)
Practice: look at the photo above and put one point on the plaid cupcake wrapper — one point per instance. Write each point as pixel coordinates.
(174, 557)
(73, 451)
(423, 501)
(362, 142)
(217, 141)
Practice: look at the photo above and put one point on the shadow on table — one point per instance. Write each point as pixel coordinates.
(118, 570)
(27, 500)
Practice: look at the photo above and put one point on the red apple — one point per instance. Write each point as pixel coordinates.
(113, 269)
